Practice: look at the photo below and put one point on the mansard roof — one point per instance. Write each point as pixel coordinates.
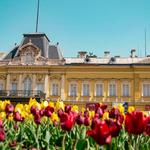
(42, 42)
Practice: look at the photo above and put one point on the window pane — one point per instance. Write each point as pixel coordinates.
(73, 90)
(85, 89)
(40, 87)
(146, 89)
(126, 90)
(1, 86)
(14, 86)
(55, 89)
(99, 90)
(112, 90)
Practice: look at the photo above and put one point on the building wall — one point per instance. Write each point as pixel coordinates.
(64, 75)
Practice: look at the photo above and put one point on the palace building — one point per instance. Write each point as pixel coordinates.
(37, 68)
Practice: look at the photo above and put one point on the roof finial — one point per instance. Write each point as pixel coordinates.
(30, 41)
(37, 18)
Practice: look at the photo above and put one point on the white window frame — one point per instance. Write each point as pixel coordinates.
(85, 82)
(53, 94)
(12, 86)
(99, 83)
(147, 83)
(113, 95)
(73, 83)
(126, 83)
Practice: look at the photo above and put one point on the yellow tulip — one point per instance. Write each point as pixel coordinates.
(44, 104)
(121, 108)
(10, 117)
(75, 108)
(59, 104)
(19, 107)
(130, 109)
(2, 115)
(54, 117)
(91, 113)
(51, 104)
(105, 115)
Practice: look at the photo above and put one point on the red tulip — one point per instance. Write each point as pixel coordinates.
(17, 116)
(37, 119)
(101, 133)
(99, 111)
(2, 135)
(147, 125)
(86, 113)
(42, 112)
(67, 121)
(95, 121)
(113, 113)
(135, 122)
(114, 127)
(80, 119)
(1, 123)
(48, 111)
(60, 112)
(9, 108)
(34, 110)
(67, 108)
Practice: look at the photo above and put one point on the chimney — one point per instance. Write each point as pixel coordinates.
(106, 54)
(133, 53)
(82, 54)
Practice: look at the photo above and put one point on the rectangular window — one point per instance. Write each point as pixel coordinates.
(146, 89)
(1, 86)
(125, 89)
(112, 89)
(14, 86)
(40, 87)
(55, 89)
(85, 89)
(99, 89)
(73, 89)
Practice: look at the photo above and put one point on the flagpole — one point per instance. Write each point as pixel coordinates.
(37, 18)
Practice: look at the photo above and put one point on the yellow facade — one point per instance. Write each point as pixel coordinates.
(64, 75)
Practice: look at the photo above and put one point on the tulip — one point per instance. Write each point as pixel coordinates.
(48, 111)
(80, 119)
(18, 117)
(113, 113)
(37, 119)
(67, 121)
(67, 108)
(60, 112)
(135, 122)
(114, 127)
(95, 121)
(42, 112)
(34, 110)
(99, 111)
(9, 108)
(101, 133)
(86, 121)
(2, 135)
(147, 126)
(1, 123)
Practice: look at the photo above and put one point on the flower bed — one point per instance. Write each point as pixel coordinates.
(49, 126)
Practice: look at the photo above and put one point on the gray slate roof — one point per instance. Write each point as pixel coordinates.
(42, 42)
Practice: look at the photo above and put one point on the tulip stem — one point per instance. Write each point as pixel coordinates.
(63, 141)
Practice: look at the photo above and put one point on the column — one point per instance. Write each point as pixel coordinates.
(8, 82)
(136, 87)
(79, 90)
(62, 91)
(34, 82)
(118, 96)
(106, 90)
(91, 90)
(46, 86)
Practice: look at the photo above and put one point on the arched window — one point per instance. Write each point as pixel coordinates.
(27, 86)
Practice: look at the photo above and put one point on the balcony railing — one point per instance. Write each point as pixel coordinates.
(22, 93)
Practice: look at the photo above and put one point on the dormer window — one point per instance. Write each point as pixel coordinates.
(28, 58)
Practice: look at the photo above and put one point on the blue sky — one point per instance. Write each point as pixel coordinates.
(90, 25)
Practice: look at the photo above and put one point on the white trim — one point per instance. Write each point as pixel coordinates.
(55, 81)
